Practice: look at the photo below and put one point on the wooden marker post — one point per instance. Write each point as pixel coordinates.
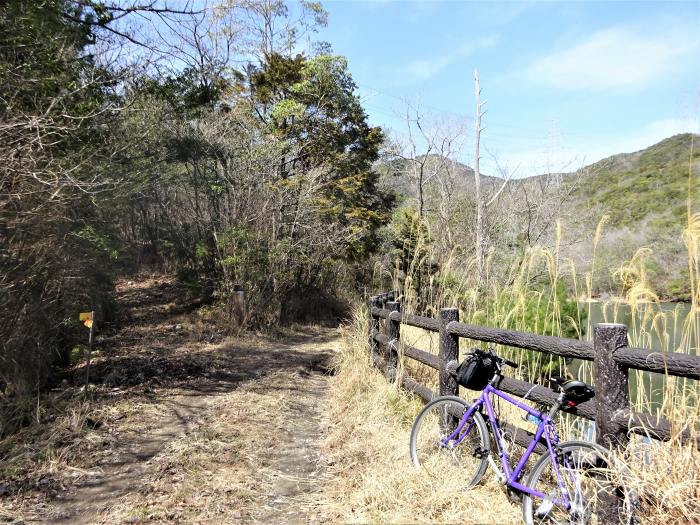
(372, 328)
(88, 319)
(239, 306)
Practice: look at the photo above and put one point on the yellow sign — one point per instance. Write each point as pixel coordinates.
(86, 317)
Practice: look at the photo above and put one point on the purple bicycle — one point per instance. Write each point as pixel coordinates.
(571, 483)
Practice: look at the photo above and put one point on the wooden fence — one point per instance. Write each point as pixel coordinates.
(612, 359)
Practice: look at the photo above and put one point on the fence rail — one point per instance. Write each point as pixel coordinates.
(612, 359)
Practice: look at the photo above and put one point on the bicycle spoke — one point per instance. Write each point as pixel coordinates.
(583, 480)
(439, 457)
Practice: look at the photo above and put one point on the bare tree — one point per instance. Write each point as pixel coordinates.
(482, 204)
(271, 27)
(479, 237)
(429, 153)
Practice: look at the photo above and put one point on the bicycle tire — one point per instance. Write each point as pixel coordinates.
(439, 419)
(586, 468)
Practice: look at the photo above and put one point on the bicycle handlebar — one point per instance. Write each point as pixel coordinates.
(510, 363)
(491, 353)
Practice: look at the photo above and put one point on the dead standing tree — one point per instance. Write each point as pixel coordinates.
(480, 234)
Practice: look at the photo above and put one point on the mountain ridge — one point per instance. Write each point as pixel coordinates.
(643, 195)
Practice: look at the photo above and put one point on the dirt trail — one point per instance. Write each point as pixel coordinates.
(193, 427)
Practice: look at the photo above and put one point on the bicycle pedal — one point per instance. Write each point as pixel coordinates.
(480, 453)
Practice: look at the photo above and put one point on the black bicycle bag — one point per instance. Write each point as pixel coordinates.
(475, 371)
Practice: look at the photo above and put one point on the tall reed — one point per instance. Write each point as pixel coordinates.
(543, 291)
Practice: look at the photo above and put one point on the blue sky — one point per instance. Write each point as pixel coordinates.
(566, 83)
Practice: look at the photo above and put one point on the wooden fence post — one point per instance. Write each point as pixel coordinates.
(611, 384)
(449, 351)
(372, 327)
(238, 305)
(393, 332)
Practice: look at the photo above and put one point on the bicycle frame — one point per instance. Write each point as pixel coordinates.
(545, 428)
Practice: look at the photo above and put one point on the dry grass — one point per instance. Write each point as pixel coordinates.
(40, 461)
(667, 478)
(373, 480)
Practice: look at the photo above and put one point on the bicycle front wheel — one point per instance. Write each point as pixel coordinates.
(594, 493)
(464, 456)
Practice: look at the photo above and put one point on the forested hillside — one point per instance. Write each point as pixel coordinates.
(642, 199)
(646, 197)
(646, 187)
(209, 143)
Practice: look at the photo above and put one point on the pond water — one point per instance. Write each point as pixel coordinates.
(657, 327)
(645, 333)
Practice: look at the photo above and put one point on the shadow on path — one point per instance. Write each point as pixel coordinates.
(156, 363)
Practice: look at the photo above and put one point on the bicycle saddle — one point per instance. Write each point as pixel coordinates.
(575, 391)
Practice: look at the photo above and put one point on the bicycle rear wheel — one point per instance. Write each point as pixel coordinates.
(465, 459)
(593, 489)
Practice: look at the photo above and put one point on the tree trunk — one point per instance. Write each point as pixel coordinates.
(479, 237)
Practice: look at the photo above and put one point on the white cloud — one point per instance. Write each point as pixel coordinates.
(615, 58)
(425, 68)
(661, 129)
(571, 154)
